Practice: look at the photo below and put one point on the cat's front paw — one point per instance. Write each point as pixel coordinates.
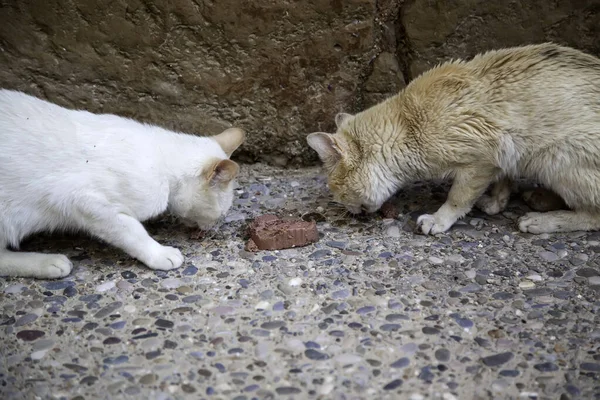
(165, 258)
(55, 266)
(432, 224)
(536, 223)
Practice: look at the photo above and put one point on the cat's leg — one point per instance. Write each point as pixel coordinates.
(128, 234)
(498, 198)
(34, 265)
(559, 221)
(467, 187)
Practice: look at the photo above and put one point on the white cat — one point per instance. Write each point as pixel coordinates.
(63, 169)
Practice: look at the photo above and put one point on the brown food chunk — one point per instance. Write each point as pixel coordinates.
(268, 232)
(389, 210)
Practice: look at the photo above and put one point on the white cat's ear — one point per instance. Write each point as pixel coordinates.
(325, 145)
(230, 139)
(222, 172)
(340, 118)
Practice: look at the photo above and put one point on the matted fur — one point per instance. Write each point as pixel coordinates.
(526, 112)
(63, 169)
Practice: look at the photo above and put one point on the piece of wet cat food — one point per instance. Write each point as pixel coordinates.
(543, 200)
(268, 232)
(389, 210)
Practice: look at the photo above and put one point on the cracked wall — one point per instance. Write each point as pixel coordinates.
(279, 69)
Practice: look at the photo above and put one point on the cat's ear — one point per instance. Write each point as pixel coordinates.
(326, 146)
(230, 139)
(340, 118)
(222, 172)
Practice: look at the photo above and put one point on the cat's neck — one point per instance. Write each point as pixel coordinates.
(182, 155)
(387, 125)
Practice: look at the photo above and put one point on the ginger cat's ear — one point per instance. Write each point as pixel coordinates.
(230, 139)
(340, 118)
(222, 172)
(325, 145)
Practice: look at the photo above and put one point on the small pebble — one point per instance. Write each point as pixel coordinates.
(25, 319)
(534, 277)
(548, 256)
(128, 275)
(546, 367)
(498, 359)
(395, 384)
(163, 323)
(58, 285)
(30, 335)
(436, 260)
(526, 284)
(393, 231)
(400, 363)
(594, 280)
(171, 283)
(442, 355)
(295, 282)
(13, 289)
(315, 355)
(106, 286)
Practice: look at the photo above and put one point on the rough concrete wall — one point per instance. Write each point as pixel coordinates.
(279, 69)
(441, 29)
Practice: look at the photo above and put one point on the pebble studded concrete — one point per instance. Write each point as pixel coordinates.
(370, 311)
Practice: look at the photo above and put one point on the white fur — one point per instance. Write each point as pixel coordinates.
(63, 169)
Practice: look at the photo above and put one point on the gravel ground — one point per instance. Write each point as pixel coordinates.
(372, 310)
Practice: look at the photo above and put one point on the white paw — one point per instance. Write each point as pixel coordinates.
(537, 223)
(55, 266)
(431, 224)
(165, 258)
(490, 205)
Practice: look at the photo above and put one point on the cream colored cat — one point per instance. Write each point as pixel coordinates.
(527, 112)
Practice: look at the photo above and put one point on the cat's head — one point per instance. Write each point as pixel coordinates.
(355, 166)
(205, 197)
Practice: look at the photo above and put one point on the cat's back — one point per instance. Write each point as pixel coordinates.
(28, 121)
(533, 71)
(545, 84)
(15, 105)
(519, 87)
(544, 78)
(546, 59)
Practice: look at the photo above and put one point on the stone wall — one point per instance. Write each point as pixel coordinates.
(280, 69)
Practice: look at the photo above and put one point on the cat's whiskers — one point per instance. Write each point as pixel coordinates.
(343, 212)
